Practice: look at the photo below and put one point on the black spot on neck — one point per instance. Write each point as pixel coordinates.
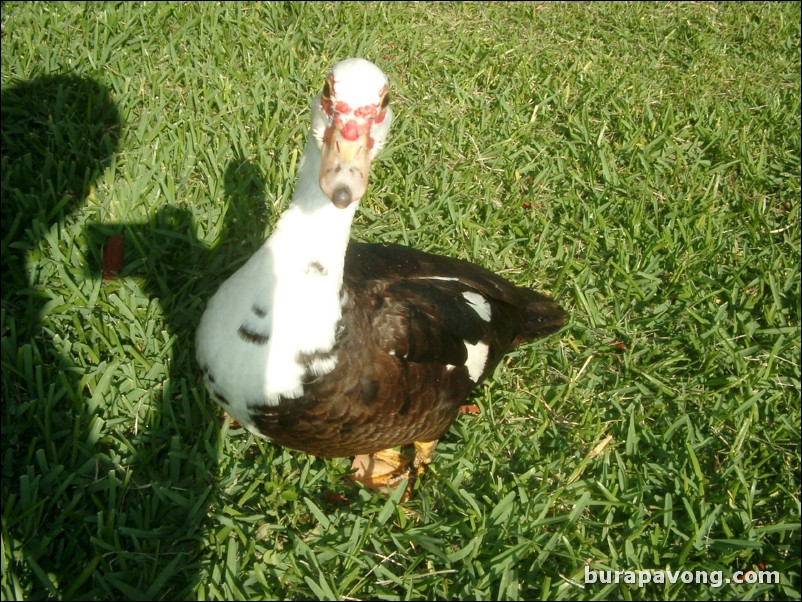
(246, 334)
(207, 373)
(220, 398)
(315, 267)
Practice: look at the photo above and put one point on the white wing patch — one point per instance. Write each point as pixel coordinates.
(477, 358)
(478, 304)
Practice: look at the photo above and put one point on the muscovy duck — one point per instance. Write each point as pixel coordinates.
(340, 348)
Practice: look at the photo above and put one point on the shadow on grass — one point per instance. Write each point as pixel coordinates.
(59, 132)
(89, 509)
(175, 459)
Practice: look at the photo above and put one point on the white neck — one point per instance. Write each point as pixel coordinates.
(312, 227)
(308, 252)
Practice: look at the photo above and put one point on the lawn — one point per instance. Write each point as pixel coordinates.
(639, 162)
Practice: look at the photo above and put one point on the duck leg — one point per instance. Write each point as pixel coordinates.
(424, 450)
(385, 470)
(380, 470)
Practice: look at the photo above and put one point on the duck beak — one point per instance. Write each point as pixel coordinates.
(345, 164)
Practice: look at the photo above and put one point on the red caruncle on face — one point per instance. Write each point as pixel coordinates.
(352, 123)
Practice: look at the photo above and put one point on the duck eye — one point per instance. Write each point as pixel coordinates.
(385, 101)
(326, 91)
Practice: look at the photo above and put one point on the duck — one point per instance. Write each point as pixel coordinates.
(339, 348)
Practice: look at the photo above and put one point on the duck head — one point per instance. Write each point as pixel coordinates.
(351, 120)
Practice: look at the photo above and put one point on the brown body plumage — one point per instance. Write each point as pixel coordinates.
(400, 372)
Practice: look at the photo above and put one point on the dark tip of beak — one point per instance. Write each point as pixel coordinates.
(341, 197)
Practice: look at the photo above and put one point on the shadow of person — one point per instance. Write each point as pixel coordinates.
(59, 132)
(173, 463)
(98, 501)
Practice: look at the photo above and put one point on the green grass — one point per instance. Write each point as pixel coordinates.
(639, 162)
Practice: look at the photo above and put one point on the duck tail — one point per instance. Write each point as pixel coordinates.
(542, 316)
